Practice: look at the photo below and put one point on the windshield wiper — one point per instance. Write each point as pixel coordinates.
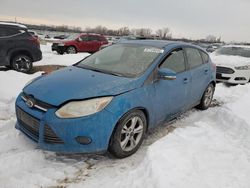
(100, 70)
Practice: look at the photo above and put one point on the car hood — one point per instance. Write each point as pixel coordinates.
(73, 83)
(228, 60)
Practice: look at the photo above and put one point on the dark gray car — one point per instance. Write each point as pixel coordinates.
(18, 48)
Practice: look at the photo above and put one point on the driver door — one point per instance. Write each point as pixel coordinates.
(171, 95)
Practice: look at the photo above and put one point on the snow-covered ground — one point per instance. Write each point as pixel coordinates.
(202, 149)
(52, 58)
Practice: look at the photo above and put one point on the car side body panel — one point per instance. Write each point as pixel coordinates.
(159, 99)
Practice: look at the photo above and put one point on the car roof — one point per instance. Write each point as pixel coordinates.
(91, 34)
(158, 43)
(13, 24)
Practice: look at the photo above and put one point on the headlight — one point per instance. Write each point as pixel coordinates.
(77, 109)
(61, 44)
(247, 67)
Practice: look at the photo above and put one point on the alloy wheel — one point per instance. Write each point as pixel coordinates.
(71, 50)
(131, 133)
(22, 63)
(208, 96)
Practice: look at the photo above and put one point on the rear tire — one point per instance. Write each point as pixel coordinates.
(207, 97)
(22, 63)
(128, 134)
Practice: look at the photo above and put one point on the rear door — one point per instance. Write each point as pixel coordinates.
(200, 74)
(171, 95)
(85, 44)
(7, 42)
(95, 42)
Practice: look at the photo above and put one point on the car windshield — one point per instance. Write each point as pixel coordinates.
(129, 60)
(72, 37)
(235, 51)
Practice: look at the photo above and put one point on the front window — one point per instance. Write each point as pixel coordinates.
(129, 60)
(175, 61)
(234, 50)
(72, 37)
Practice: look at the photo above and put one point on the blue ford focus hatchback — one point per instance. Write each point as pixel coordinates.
(110, 100)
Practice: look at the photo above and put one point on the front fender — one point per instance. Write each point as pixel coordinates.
(140, 98)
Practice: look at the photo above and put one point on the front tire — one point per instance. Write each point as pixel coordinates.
(207, 97)
(128, 134)
(22, 63)
(71, 50)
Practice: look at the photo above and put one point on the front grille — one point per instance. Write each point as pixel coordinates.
(37, 103)
(224, 70)
(219, 76)
(50, 136)
(31, 125)
(28, 123)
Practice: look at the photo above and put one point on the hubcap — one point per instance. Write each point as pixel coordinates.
(22, 64)
(131, 133)
(208, 96)
(71, 50)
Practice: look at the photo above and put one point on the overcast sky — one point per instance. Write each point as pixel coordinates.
(194, 19)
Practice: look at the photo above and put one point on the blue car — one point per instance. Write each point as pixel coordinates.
(109, 100)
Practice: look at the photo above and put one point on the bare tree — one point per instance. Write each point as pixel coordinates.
(212, 38)
(164, 33)
(123, 31)
(145, 32)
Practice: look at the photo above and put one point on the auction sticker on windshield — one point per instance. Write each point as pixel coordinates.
(154, 50)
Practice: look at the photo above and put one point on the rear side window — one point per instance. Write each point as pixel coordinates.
(194, 57)
(94, 38)
(175, 61)
(2, 32)
(205, 57)
(7, 32)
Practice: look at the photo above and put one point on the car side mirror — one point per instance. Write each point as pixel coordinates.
(166, 74)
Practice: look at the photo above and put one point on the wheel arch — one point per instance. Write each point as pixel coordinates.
(213, 82)
(145, 112)
(72, 45)
(13, 54)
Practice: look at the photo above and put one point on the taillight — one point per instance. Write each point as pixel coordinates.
(35, 41)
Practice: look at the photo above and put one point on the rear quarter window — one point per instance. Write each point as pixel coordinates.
(205, 57)
(194, 57)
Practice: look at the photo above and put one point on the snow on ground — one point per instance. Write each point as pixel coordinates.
(52, 58)
(202, 149)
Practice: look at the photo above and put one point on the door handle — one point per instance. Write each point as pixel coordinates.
(185, 80)
(206, 71)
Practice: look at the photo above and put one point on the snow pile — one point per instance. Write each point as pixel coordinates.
(12, 83)
(52, 58)
(207, 149)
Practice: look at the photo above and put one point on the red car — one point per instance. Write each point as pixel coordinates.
(80, 43)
